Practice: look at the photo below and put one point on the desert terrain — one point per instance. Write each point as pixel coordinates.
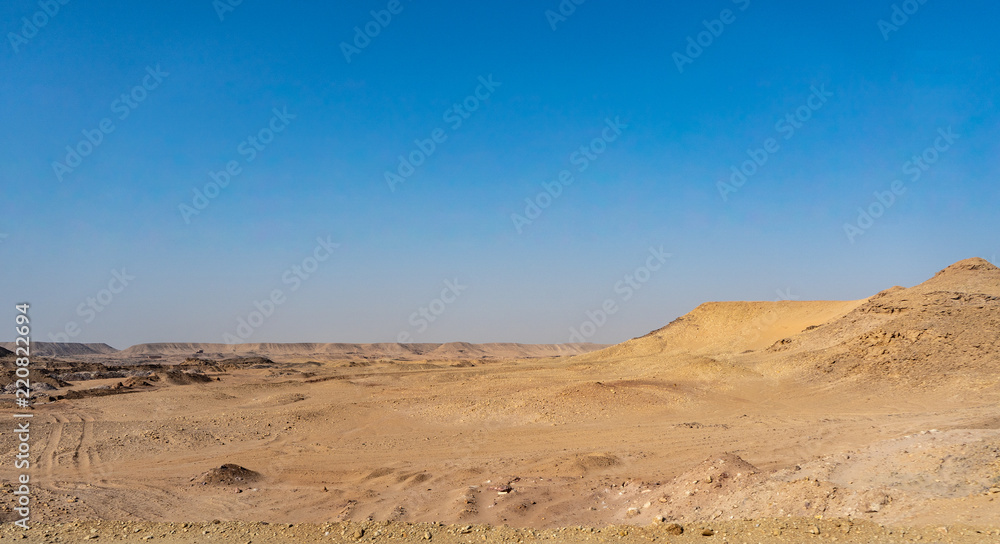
(874, 420)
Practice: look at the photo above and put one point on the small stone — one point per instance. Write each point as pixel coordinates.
(428, 535)
(674, 529)
(813, 530)
(707, 532)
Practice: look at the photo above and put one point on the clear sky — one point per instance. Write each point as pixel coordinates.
(117, 116)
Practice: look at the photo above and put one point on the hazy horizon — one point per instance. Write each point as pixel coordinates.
(171, 170)
(780, 296)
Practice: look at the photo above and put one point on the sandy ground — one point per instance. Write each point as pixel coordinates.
(793, 530)
(528, 444)
(752, 438)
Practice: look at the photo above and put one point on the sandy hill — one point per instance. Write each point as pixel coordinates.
(946, 327)
(730, 327)
(974, 275)
(56, 349)
(452, 350)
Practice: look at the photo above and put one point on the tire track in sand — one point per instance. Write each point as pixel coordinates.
(48, 456)
(80, 462)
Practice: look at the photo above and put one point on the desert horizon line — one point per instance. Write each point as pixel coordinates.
(970, 263)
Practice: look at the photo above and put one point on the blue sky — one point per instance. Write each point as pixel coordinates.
(651, 184)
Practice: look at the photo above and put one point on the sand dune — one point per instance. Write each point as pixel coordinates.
(730, 327)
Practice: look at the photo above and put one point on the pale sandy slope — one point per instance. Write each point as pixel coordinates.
(729, 328)
(943, 329)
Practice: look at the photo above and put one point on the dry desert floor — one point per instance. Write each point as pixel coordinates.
(874, 420)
